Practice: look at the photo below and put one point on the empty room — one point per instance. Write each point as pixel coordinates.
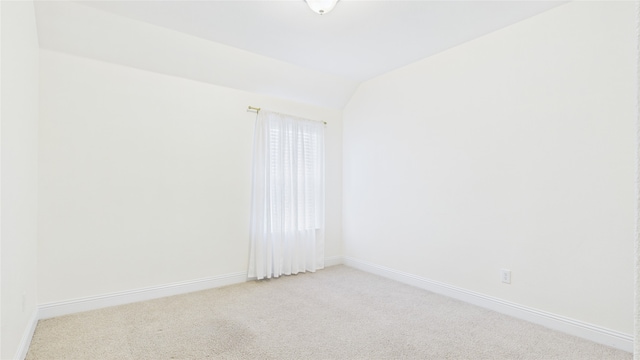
(325, 179)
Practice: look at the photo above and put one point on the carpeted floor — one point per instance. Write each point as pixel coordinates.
(336, 313)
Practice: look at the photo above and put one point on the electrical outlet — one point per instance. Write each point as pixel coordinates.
(505, 276)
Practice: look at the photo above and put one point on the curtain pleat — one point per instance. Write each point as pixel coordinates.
(287, 213)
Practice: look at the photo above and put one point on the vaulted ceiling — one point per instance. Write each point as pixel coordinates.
(279, 48)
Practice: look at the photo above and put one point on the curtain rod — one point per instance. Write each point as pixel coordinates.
(257, 110)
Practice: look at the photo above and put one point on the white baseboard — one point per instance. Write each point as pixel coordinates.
(333, 261)
(578, 328)
(66, 307)
(25, 341)
(60, 308)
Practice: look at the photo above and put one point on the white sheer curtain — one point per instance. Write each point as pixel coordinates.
(287, 215)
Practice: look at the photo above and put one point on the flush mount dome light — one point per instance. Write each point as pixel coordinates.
(321, 6)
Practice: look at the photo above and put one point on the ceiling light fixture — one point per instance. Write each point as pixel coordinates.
(321, 6)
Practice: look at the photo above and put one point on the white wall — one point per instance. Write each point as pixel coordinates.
(515, 150)
(145, 178)
(636, 349)
(19, 164)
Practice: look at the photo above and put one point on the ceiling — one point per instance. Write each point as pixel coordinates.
(357, 41)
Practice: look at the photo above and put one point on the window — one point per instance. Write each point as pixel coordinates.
(296, 169)
(287, 217)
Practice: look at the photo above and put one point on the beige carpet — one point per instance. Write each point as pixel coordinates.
(336, 313)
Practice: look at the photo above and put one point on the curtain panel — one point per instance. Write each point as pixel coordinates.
(287, 212)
